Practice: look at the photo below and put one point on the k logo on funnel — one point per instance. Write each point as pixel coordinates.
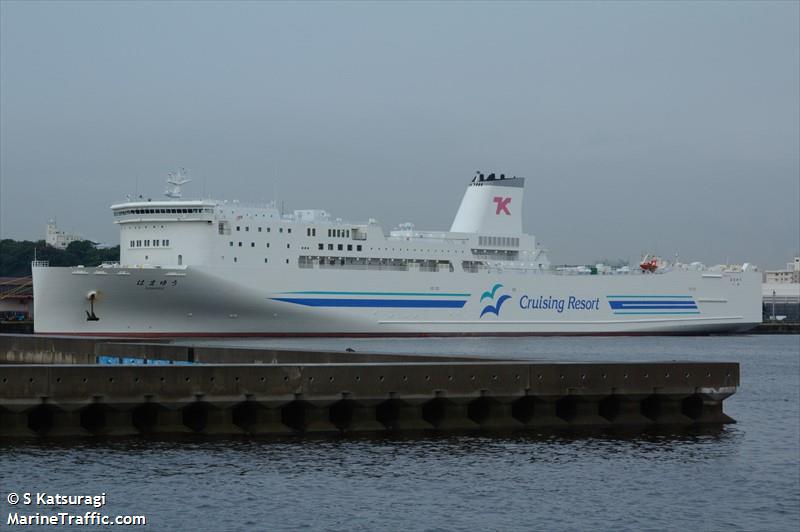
(490, 295)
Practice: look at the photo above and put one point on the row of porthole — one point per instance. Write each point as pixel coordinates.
(381, 378)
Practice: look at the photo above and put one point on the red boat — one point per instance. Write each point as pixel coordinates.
(649, 264)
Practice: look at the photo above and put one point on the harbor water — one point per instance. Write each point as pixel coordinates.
(744, 476)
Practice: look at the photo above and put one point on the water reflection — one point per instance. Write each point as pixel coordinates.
(614, 440)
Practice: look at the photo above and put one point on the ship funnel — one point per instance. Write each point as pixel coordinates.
(492, 206)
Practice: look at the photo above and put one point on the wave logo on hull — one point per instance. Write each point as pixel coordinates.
(498, 304)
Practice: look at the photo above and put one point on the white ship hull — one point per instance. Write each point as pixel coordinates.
(242, 301)
(212, 268)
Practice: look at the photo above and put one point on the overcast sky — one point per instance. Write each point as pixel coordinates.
(640, 126)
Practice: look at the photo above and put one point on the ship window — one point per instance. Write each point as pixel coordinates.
(147, 243)
(247, 228)
(235, 259)
(349, 247)
(339, 247)
(330, 247)
(287, 261)
(180, 260)
(280, 229)
(252, 244)
(238, 228)
(314, 232)
(358, 247)
(348, 233)
(155, 243)
(289, 230)
(268, 229)
(288, 246)
(267, 244)
(329, 232)
(165, 243)
(259, 229)
(265, 261)
(230, 243)
(132, 243)
(240, 244)
(319, 246)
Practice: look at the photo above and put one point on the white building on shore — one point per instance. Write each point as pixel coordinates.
(790, 275)
(58, 238)
(781, 292)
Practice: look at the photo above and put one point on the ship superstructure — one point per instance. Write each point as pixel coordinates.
(208, 267)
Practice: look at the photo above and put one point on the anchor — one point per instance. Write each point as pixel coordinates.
(90, 315)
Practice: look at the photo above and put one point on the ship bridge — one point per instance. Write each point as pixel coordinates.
(171, 232)
(166, 211)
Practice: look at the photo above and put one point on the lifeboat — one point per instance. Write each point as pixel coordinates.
(649, 265)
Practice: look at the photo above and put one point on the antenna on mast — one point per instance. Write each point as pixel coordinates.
(177, 180)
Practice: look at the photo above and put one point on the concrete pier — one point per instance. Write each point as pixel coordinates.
(301, 392)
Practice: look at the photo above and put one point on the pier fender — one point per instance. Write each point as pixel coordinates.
(41, 418)
(446, 414)
(146, 416)
(665, 409)
(195, 415)
(94, 418)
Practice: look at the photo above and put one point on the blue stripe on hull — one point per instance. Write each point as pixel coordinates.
(649, 297)
(652, 305)
(372, 303)
(640, 313)
(617, 304)
(332, 292)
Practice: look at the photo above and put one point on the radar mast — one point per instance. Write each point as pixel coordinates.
(177, 180)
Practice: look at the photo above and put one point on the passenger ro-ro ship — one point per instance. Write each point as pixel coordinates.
(219, 268)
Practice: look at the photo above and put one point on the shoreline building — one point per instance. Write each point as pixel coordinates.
(57, 238)
(781, 293)
(790, 275)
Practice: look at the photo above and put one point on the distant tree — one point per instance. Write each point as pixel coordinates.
(16, 256)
